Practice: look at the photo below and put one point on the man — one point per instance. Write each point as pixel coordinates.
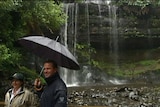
(18, 95)
(54, 94)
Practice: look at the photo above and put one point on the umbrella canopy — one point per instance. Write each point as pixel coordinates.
(50, 49)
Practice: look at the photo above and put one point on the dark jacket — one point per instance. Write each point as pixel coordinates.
(55, 93)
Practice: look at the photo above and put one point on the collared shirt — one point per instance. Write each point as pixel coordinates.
(13, 94)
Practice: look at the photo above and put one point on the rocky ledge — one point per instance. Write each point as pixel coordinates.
(115, 96)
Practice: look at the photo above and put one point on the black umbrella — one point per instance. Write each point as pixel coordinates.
(50, 49)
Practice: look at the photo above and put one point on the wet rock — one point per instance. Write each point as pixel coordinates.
(117, 96)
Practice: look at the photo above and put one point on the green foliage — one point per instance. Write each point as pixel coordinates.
(24, 17)
(147, 62)
(86, 52)
(30, 75)
(79, 1)
(130, 69)
(138, 7)
(43, 13)
(141, 3)
(19, 18)
(9, 5)
(8, 58)
(4, 53)
(11, 27)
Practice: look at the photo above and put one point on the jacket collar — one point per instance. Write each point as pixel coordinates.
(20, 92)
(49, 80)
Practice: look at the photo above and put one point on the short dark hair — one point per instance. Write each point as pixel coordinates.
(53, 63)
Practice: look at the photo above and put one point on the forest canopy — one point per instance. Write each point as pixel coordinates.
(20, 18)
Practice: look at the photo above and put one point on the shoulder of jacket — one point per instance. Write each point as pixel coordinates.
(27, 91)
(61, 86)
(9, 91)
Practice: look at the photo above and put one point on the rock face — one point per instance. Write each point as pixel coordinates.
(115, 96)
(100, 24)
(121, 36)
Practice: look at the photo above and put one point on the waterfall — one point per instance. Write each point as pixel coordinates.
(113, 34)
(98, 1)
(73, 33)
(71, 9)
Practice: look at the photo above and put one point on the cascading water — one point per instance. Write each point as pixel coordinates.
(70, 76)
(71, 34)
(113, 34)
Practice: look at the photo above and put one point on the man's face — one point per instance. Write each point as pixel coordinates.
(49, 70)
